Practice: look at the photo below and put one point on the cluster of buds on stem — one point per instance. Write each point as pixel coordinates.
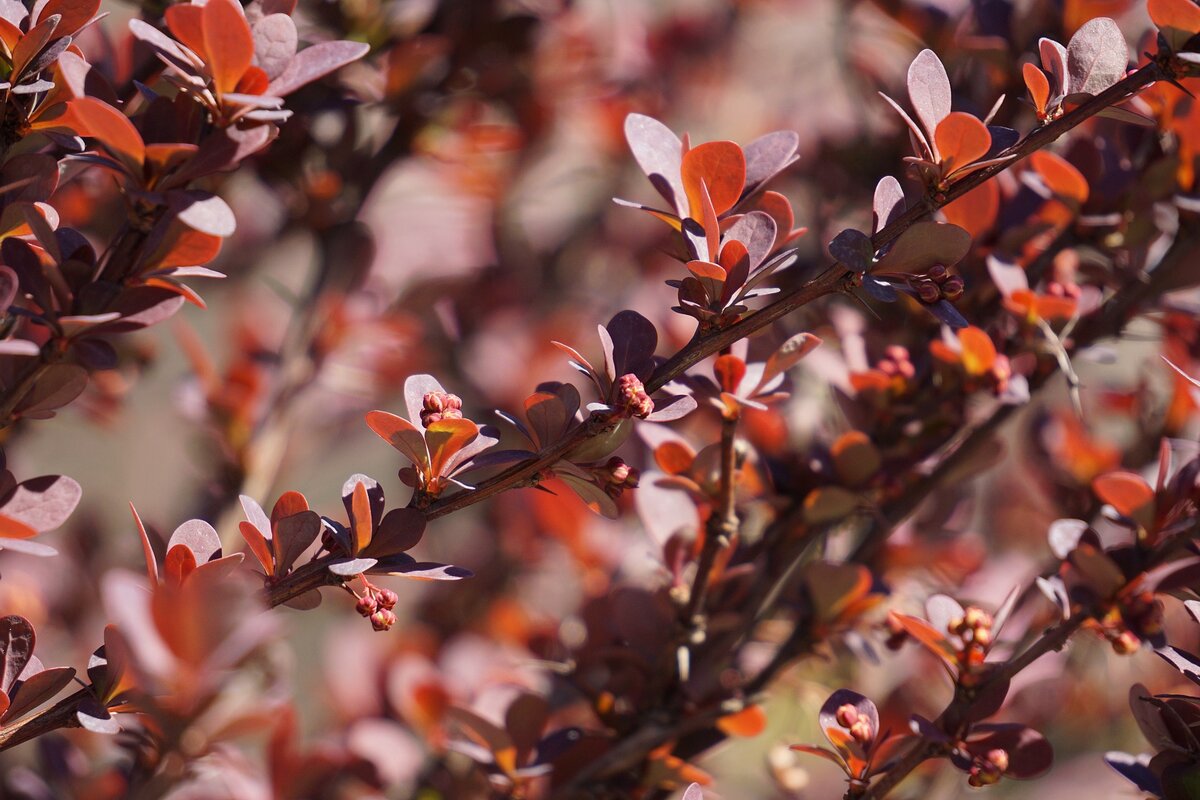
(615, 476)
(987, 769)
(974, 628)
(436, 406)
(937, 284)
(376, 604)
(631, 398)
(858, 725)
(1126, 624)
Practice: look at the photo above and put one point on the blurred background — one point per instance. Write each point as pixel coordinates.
(445, 206)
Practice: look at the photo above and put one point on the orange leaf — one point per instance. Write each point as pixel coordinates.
(674, 458)
(1177, 19)
(729, 371)
(976, 210)
(13, 529)
(87, 116)
(1061, 177)
(1038, 86)
(445, 438)
(360, 506)
(185, 21)
(1128, 493)
(258, 545)
(721, 166)
(289, 503)
(961, 139)
(978, 352)
(750, 721)
(179, 563)
(228, 42)
(75, 14)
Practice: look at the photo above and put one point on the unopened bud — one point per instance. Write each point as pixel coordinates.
(938, 273)
(926, 289)
(366, 605)
(436, 406)
(953, 288)
(861, 731)
(847, 715)
(382, 619)
(387, 598)
(631, 397)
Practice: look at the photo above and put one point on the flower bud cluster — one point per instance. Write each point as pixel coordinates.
(437, 406)
(631, 397)
(376, 605)
(859, 726)
(937, 284)
(988, 768)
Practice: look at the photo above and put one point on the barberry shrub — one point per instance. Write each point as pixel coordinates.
(881, 478)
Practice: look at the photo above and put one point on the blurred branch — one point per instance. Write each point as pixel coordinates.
(951, 720)
(721, 528)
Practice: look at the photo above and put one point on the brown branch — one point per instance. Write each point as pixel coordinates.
(834, 279)
(58, 716)
(722, 526)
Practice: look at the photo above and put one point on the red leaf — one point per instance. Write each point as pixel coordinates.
(721, 167)
(87, 116)
(961, 139)
(1061, 177)
(1127, 493)
(229, 45)
(1038, 86)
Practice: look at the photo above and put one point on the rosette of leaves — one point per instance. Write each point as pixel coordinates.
(902, 266)
(956, 637)
(1094, 59)
(551, 414)
(740, 384)
(32, 42)
(850, 723)
(375, 542)
(732, 229)
(33, 506)
(439, 451)
(949, 145)
(176, 652)
(240, 63)
(1120, 582)
(516, 752)
(25, 683)
(628, 343)
(1171, 724)
(278, 540)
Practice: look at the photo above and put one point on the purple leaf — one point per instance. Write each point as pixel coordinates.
(199, 537)
(889, 202)
(43, 503)
(1064, 535)
(674, 408)
(924, 245)
(350, 567)
(929, 90)
(853, 249)
(16, 648)
(659, 153)
(1096, 57)
(37, 689)
(757, 231)
(95, 718)
(204, 212)
(316, 62)
(634, 341)
(1136, 770)
(293, 535)
(767, 156)
(1054, 61)
(274, 43)
(426, 571)
(399, 530)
